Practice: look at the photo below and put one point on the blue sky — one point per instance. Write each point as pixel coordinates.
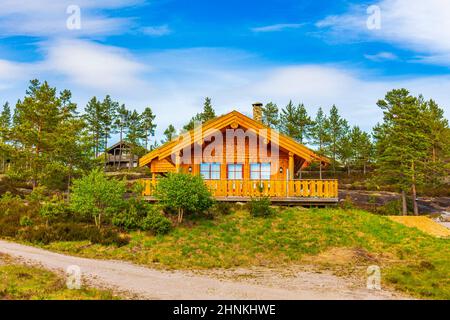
(170, 54)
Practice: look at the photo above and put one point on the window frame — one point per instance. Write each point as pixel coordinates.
(235, 166)
(213, 174)
(259, 172)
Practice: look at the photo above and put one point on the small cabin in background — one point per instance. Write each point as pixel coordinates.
(119, 156)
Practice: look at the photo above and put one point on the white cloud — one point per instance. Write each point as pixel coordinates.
(175, 82)
(156, 31)
(91, 65)
(381, 56)
(417, 25)
(277, 27)
(48, 17)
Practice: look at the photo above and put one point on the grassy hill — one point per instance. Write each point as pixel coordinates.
(343, 240)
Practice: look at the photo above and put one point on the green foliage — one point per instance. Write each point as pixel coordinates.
(260, 207)
(156, 222)
(148, 125)
(337, 129)
(270, 116)
(184, 193)
(169, 134)
(46, 134)
(95, 196)
(53, 209)
(207, 114)
(25, 221)
(222, 208)
(44, 234)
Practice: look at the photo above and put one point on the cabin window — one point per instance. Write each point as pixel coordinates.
(235, 171)
(210, 171)
(260, 171)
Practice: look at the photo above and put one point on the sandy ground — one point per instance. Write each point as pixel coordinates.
(145, 283)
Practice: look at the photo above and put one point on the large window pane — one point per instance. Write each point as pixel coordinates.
(260, 171)
(265, 171)
(215, 171)
(205, 171)
(235, 172)
(210, 171)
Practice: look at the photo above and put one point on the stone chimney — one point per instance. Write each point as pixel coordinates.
(257, 111)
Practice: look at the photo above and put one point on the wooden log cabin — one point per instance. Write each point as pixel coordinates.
(240, 158)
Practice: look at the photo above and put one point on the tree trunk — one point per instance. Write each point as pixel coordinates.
(180, 216)
(414, 192)
(120, 147)
(404, 205)
(414, 196)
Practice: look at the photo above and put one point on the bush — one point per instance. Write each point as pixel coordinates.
(25, 221)
(95, 196)
(260, 207)
(156, 222)
(54, 209)
(13, 211)
(184, 193)
(142, 216)
(72, 232)
(222, 208)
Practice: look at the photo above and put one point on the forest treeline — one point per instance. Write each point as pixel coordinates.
(45, 140)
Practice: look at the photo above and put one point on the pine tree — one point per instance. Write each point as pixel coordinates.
(402, 144)
(270, 116)
(207, 114)
(361, 148)
(319, 135)
(304, 124)
(169, 134)
(107, 119)
(5, 128)
(5, 122)
(439, 134)
(148, 124)
(135, 135)
(289, 121)
(337, 129)
(93, 117)
(208, 110)
(45, 130)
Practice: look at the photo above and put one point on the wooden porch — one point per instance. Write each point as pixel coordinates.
(304, 192)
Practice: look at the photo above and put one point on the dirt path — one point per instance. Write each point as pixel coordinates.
(148, 283)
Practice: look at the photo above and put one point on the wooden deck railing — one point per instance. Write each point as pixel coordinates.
(269, 188)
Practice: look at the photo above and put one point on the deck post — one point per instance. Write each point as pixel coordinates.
(177, 162)
(291, 166)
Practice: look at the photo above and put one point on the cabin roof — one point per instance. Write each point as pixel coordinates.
(118, 144)
(233, 117)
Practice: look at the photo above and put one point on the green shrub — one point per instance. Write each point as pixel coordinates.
(72, 232)
(128, 219)
(97, 197)
(156, 222)
(222, 208)
(260, 207)
(12, 212)
(184, 193)
(25, 221)
(53, 209)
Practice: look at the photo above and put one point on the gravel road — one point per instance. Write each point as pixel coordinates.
(147, 283)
